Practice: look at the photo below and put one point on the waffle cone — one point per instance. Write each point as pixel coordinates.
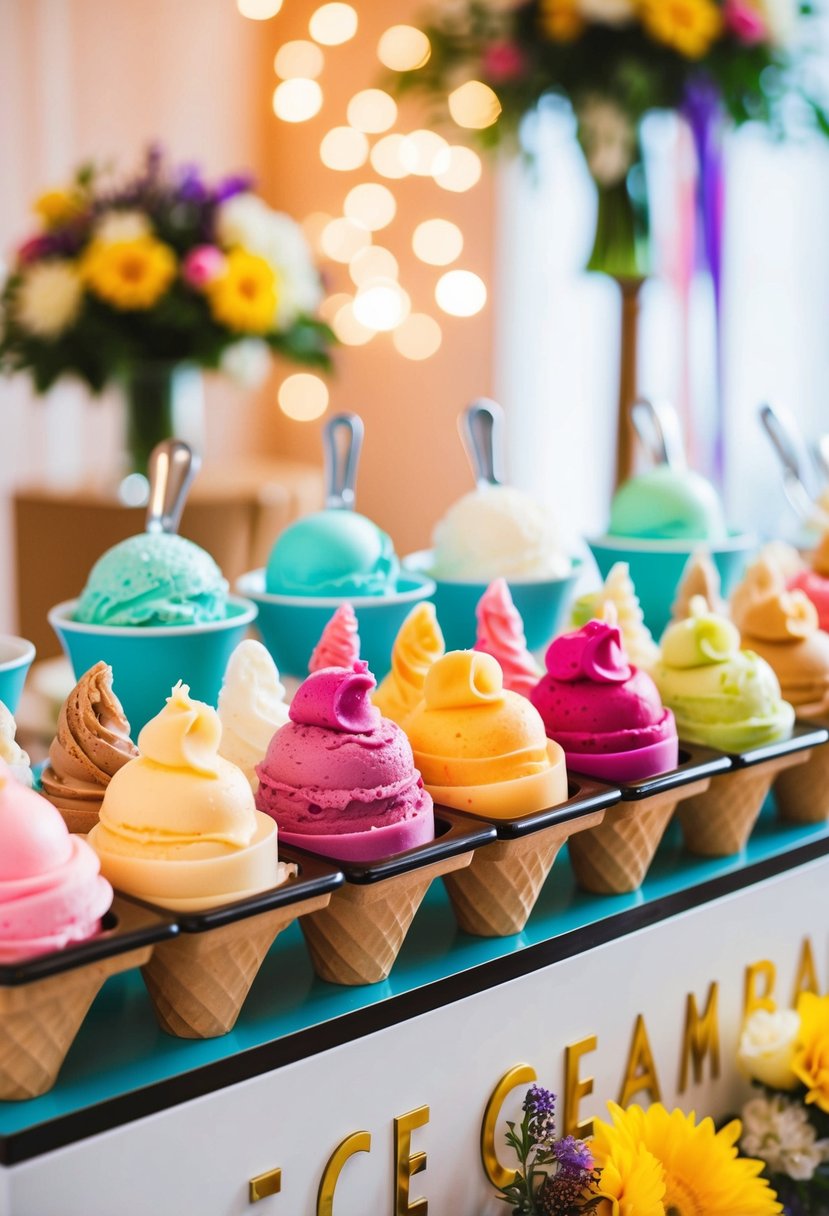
(613, 858)
(39, 1022)
(198, 982)
(494, 896)
(802, 792)
(719, 822)
(357, 938)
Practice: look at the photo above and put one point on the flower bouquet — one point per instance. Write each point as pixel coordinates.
(129, 280)
(786, 1054)
(650, 1162)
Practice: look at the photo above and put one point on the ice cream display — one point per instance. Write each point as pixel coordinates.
(153, 579)
(668, 503)
(814, 581)
(339, 644)
(501, 634)
(419, 644)
(605, 713)
(618, 590)
(251, 707)
(496, 531)
(332, 553)
(730, 699)
(722, 696)
(700, 577)
(480, 747)
(91, 745)
(338, 778)
(11, 753)
(782, 627)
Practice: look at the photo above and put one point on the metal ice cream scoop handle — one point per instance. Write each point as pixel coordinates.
(481, 426)
(342, 438)
(660, 433)
(173, 465)
(822, 457)
(782, 431)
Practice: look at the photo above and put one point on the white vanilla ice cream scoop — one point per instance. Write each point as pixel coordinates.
(497, 531)
(251, 707)
(10, 749)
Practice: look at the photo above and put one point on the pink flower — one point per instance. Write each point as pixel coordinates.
(503, 61)
(34, 248)
(202, 265)
(746, 22)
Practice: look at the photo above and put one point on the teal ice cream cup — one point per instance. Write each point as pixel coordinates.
(16, 655)
(147, 661)
(291, 625)
(542, 603)
(656, 567)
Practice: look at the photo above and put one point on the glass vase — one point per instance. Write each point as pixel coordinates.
(163, 400)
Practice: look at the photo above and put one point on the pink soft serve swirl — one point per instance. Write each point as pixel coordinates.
(592, 653)
(339, 645)
(337, 698)
(501, 635)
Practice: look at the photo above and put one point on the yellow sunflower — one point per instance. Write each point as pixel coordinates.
(811, 1053)
(701, 1170)
(129, 275)
(56, 207)
(560, 20)
(244, 296)
(688, 26)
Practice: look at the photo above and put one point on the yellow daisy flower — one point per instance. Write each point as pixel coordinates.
(688, 26)
(130, 275)
(811, 1053)
(244, 296)
(560, 20)
(702, 1172)
(56, 207)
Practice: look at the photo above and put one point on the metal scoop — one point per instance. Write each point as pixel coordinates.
(785, 439)
(172, 467)
(342, 439)
(481, 427)
(659, 430)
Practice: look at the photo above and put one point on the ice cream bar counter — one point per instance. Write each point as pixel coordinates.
(358, 1100)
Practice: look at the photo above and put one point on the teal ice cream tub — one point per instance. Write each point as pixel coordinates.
(542, 603)
(147, 661)
(656, 567)
(291, 625)
(16, 655)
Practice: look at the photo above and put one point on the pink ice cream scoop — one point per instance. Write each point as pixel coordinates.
(338, 778)
(51, 890)
(607, 715)
(816, 587)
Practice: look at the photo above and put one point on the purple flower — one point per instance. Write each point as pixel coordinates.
(236, 183)
(574, 1155)
(540, 1105)
(191, 188)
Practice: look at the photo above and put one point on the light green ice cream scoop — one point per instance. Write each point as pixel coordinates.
(151, 579)
(668, 504)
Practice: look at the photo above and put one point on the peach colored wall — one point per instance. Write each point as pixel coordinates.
(413, 465)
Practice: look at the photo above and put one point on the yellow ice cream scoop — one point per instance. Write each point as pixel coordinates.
(419, 644)
(178, 825)
(480, 747)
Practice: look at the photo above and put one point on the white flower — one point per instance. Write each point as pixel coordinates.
(608, 138)
(607, 12)
(247, 221)
(767, 1045)
(49, 298)
(117, 226)
(781, 18)
(779, 1132)
(247, 362)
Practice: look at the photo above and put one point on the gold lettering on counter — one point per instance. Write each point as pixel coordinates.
(357, 1142)
(264, 1185)
(640, 1070)
(763, 973)
(407, 1163)
(806, 978)
(577, 1087)
(701, 1038)
(524, 1075)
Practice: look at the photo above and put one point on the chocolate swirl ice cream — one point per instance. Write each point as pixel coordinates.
(92, 743)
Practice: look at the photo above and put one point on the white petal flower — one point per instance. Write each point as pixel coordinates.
(115, 226)
(779, 1132)
(49, 298)
(241, 221)
(781, 18)
(607, 12)
(608, 138)
(247, 362)
(767, 1046)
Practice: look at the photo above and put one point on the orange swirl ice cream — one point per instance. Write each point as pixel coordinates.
(782, 627)
(419, 644)
(178, 826)
(480, 747)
